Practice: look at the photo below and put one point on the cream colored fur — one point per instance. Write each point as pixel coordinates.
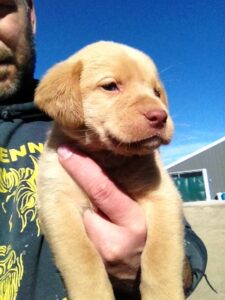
(101, 99)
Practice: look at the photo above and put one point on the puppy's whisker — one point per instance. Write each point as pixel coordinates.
(84, 130)
(166, 69)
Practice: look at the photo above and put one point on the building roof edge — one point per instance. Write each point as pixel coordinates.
(207, 147)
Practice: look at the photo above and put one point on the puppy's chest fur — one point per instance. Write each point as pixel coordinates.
(135, 175)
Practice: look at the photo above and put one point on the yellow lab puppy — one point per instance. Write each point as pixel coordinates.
(108, 101)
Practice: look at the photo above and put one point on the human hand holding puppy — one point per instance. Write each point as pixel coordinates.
(118, 216)
(118, 228)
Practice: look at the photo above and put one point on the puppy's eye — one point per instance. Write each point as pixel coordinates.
(157, 92)
(112, 86)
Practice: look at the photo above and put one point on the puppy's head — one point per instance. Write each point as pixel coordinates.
(108, 96)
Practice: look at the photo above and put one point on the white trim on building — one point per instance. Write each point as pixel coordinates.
(211, 145)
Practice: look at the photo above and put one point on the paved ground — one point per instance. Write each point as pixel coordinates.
(208, 221)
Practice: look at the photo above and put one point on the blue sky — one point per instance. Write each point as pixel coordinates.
(186, 39)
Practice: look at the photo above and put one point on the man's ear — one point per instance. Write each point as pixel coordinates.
(32, 15)
(58, 94)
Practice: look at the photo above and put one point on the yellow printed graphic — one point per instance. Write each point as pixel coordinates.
(19, 186)
(11, 155)
(11, 273)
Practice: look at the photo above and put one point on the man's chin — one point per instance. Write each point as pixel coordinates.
(8, 89)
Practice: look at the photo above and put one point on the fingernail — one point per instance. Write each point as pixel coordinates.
(64, 152)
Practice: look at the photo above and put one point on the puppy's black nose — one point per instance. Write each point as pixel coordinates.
(157, 118)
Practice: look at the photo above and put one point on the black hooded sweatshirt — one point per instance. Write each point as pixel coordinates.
(27, 270)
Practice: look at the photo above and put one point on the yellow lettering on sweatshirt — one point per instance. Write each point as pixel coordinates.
(12, 155)
(15, 154)
(4, 155)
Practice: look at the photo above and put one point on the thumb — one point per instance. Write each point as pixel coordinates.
(104, 194)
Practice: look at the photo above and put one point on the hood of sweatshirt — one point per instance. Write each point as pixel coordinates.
(22, 107)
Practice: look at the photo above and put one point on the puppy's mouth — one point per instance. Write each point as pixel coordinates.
(152, 142)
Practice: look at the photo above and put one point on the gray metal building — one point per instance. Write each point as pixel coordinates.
(210, 159)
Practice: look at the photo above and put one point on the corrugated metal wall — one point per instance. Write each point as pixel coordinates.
(212, 159)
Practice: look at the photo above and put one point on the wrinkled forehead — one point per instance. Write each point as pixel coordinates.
(117, 61)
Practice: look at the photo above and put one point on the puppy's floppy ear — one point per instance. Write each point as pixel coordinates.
(58, 94)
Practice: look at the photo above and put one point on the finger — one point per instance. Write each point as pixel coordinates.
(116, 205)
(98, 230)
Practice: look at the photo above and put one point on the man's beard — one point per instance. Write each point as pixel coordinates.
(17, 69)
